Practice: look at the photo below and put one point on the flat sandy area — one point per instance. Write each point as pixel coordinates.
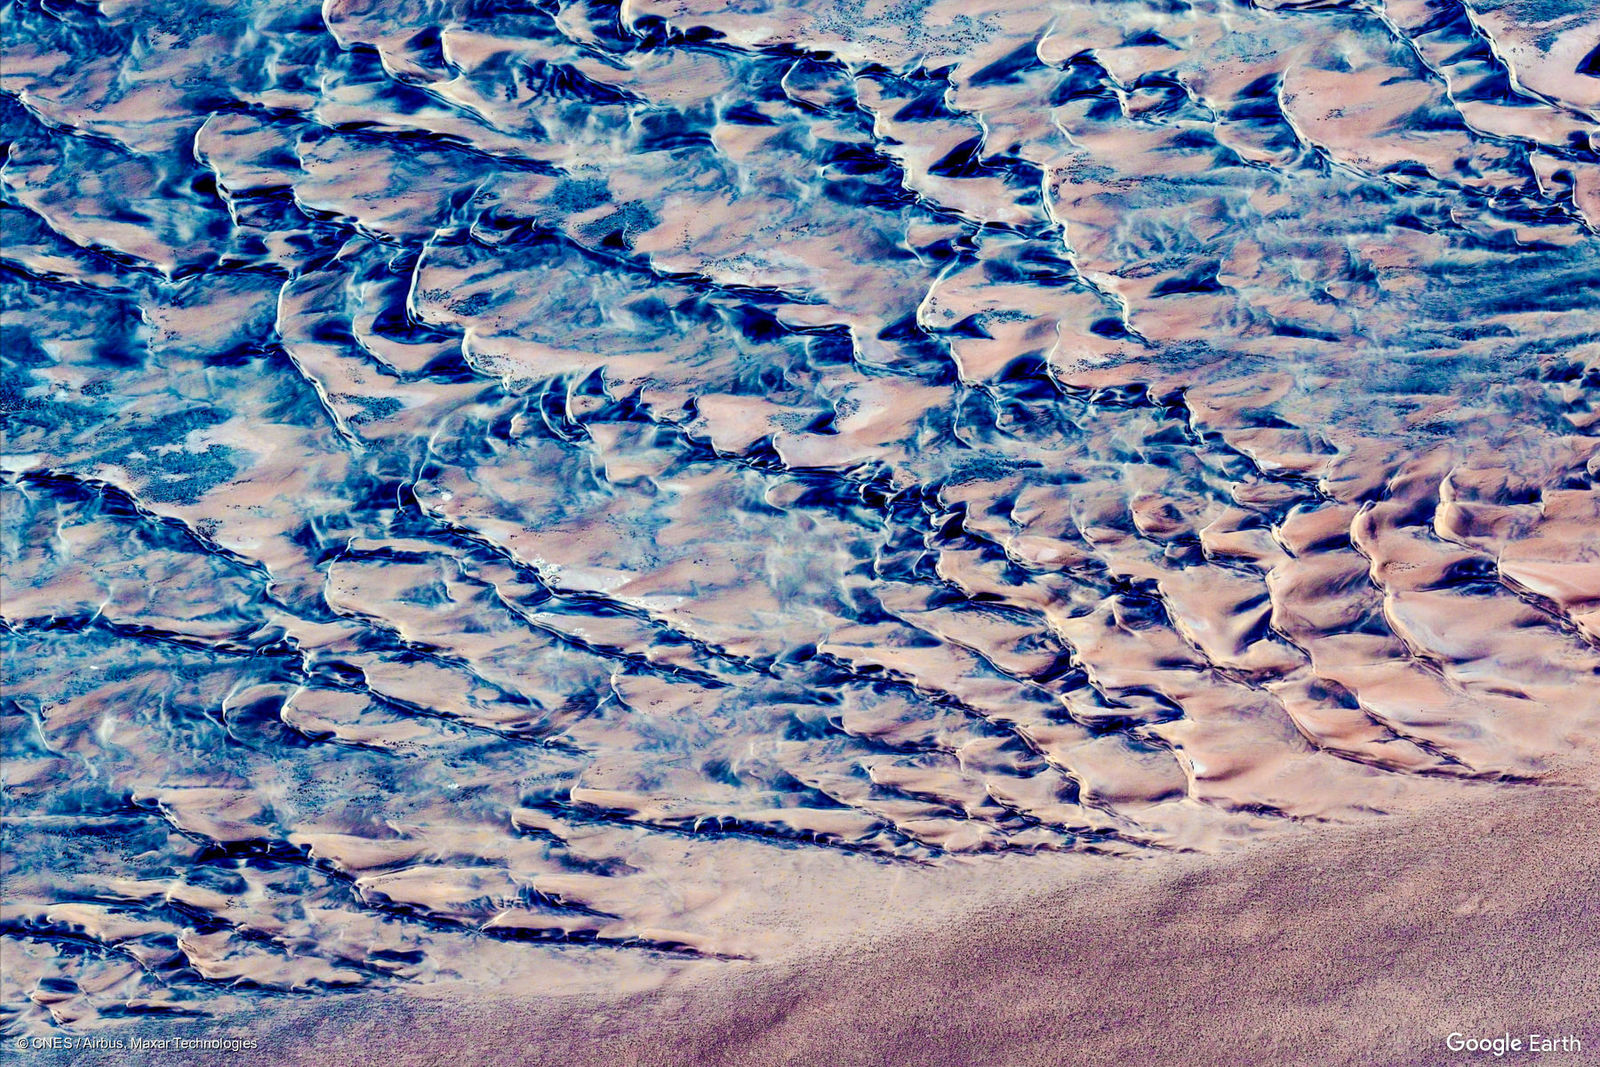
(1363, 945)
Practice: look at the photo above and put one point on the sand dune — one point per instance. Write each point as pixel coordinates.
(800, 530)
(1365, 946)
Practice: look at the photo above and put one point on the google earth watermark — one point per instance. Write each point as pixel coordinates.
(1506, 1043)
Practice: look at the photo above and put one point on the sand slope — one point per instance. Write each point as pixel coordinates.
(1360, 946)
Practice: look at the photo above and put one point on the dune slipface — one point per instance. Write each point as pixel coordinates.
(689, 532)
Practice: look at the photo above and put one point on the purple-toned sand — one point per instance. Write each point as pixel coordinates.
(837, 532)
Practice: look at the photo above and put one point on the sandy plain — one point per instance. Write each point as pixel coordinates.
(1364, 945)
